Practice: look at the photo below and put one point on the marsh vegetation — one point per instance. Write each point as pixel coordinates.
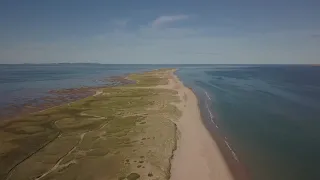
(125, 132)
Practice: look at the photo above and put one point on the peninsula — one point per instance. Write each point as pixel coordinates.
(151, 129)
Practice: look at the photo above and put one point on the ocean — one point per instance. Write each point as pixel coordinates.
(267, 118)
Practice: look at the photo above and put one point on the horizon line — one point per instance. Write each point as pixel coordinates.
(159, 63)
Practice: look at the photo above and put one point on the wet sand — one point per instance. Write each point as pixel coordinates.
(197, 155)
(237, 168)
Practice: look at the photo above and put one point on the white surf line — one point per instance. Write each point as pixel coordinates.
(233, 153)
(207, 106)
(207, 95)
(211, 115)
(211, 118)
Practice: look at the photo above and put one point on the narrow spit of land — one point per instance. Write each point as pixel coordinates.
(124, 132)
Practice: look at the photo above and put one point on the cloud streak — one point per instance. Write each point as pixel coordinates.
(164, 20)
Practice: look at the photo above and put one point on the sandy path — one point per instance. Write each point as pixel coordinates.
(197, 155)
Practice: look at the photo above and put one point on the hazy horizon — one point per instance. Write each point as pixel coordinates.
(160, 32)
(306, 64)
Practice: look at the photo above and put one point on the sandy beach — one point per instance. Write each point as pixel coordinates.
(148, 130)
(197, 155)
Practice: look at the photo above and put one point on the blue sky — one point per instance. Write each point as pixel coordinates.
(167, 31)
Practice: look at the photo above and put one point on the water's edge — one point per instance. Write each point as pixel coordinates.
(209, 117)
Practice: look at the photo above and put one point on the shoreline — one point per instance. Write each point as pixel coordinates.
(239, 170)
(197, 155)
(59, 97)
(210, 120)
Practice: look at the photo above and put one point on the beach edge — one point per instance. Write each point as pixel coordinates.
(197, 155)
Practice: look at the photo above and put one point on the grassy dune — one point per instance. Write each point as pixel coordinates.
(125, 132)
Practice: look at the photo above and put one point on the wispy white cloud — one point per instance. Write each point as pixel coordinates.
(163, 20)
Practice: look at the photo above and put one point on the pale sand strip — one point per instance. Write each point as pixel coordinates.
(197, 155)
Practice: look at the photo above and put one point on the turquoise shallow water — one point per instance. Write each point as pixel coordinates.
(270, 115)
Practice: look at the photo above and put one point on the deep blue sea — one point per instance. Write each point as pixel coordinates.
(269, 115)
